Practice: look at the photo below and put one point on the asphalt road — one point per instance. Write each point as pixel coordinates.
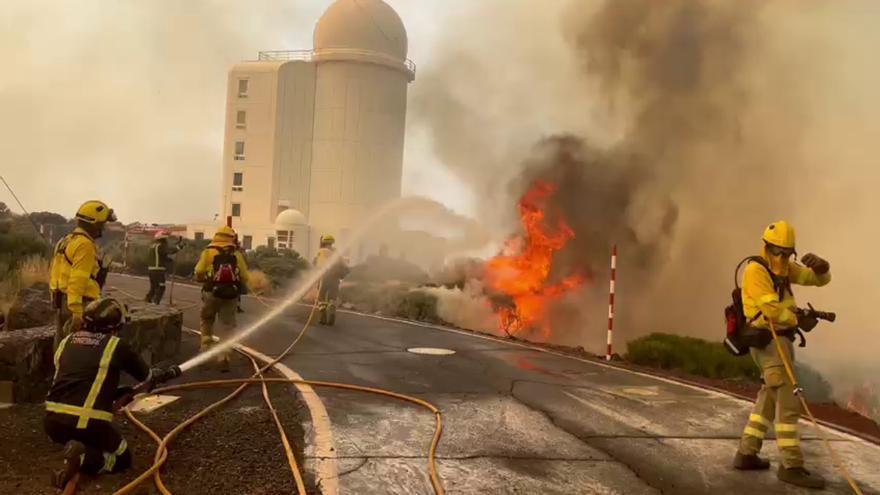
(517, 420)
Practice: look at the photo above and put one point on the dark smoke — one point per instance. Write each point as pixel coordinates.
(670, 147)
(596, 191)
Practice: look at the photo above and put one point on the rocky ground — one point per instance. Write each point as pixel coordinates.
(236, 450)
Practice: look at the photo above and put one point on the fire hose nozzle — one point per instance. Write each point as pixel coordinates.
(822, 315)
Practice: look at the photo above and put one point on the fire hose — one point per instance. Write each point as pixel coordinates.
(798, 392)
(162, 443)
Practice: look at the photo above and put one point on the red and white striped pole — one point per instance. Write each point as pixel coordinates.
(608, 353)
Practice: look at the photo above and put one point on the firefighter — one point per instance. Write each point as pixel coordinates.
(80, 403)
(77, 274)
(328, 291)
(160, 263)
(223, 273)
(767, 295)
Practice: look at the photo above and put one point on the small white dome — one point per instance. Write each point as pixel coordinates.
(362, 25)
(290, 218)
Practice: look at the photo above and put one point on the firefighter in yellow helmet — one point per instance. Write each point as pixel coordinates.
(161, 262)
(77, 274)
(767, 295)
(85, 391)
(328, 291)
(223, 273)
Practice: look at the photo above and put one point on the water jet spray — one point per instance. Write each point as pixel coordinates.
(305, 286)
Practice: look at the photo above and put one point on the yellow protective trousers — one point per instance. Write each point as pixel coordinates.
(214, 308)
(777, 403)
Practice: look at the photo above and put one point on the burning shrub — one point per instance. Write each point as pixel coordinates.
(520, 279)
(691, 355)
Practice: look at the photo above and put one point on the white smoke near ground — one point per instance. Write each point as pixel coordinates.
(742, 114)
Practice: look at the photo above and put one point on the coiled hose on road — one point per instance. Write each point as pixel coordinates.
(162, 443)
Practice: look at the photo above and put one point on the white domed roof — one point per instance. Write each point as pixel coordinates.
(290, 218)
(362, 25)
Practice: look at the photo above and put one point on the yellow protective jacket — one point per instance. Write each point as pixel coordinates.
(759, 294)
(205, 267)
(75, 268)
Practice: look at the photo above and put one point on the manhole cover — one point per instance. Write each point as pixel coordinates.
(434, 351)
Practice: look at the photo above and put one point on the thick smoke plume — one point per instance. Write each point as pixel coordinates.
(678, 130)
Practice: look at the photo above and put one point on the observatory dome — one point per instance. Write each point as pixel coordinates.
(361, 25)
(290, 218)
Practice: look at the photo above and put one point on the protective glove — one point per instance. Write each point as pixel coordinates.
(806, 321)
(817, 264)
(162, 375)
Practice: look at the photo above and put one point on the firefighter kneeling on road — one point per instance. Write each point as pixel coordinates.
(80, 404)
(77, 274)
(328, 291)
(160, 263)
(767, 295)
(223, 273)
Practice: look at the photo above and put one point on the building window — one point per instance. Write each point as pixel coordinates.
(239, 150)
(285, 239)
(247, 241)
(242, 88)
(236, 209)
(200, 236)
(271, 242)
(241, 119)
(282, 209)
(238, 181)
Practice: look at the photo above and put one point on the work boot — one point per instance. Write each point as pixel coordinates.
(799, 476)
(749, 462)
(73, 452)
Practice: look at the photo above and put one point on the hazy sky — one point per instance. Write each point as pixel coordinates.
(124, 100)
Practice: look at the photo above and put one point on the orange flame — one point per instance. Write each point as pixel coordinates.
(522, 270)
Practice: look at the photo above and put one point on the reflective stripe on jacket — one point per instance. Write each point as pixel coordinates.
(75, 268)
(87, 372)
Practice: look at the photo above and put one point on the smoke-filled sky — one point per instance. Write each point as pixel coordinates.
(124, 100)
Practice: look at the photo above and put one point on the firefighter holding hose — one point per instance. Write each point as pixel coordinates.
(77, 274)
(328, 291)
(80, 403)
(766, 296)
(223, 273)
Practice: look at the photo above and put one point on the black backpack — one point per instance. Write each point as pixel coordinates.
(226, 280)
(740, 335)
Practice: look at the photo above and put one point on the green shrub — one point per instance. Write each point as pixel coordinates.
(691, 355)
(280, 265)
(418, 305)
(816, 387)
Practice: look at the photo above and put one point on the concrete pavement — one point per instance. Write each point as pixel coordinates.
(518, 420)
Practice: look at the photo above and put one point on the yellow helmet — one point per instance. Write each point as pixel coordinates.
(327, 239)
(95, 211)
(780, 234)
(226, 231)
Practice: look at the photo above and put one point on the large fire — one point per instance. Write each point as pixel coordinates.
(521, 273)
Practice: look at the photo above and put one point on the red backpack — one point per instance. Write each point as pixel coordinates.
(226, 282)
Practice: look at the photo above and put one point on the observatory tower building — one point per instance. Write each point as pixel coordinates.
(314, 138)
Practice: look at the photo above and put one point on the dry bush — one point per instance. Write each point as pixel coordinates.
(258, 282)
(32, 270)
